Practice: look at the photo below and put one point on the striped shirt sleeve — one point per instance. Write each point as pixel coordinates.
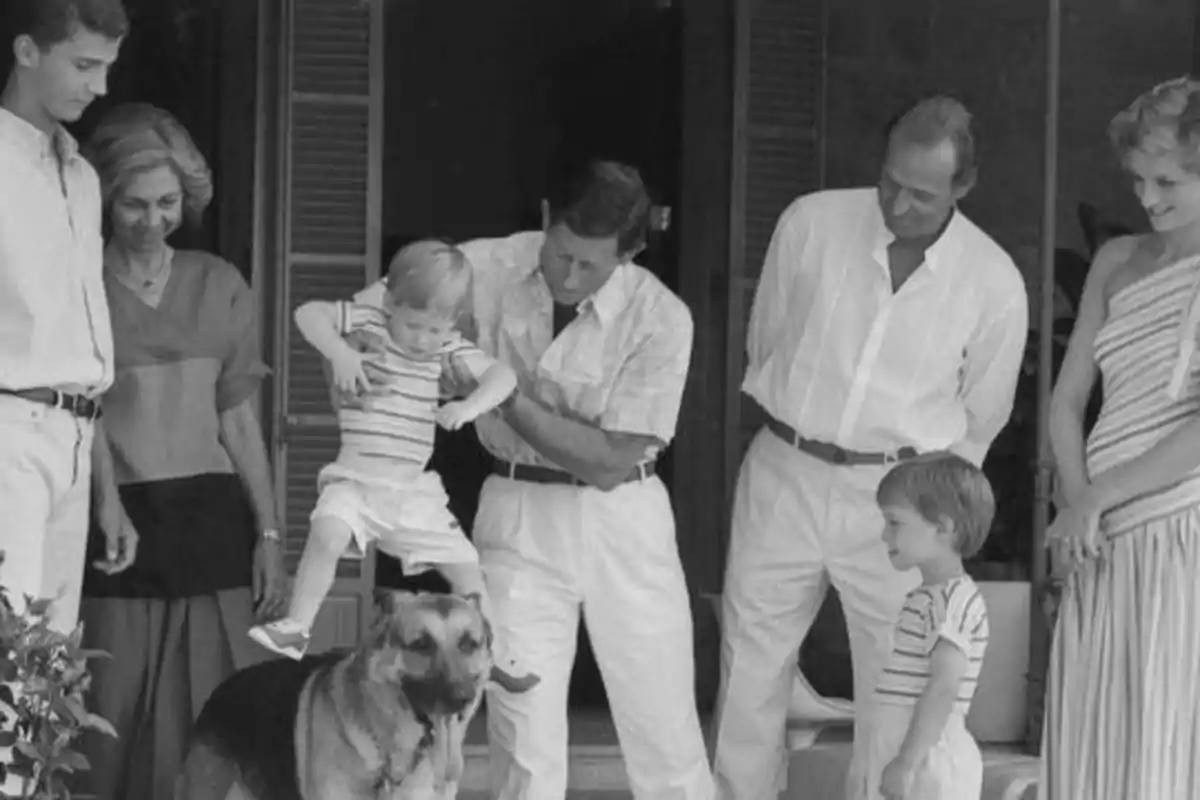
(353, 317)
(959, 615)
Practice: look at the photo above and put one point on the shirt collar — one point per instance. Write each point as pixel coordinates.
(37, 143)
(943, 250)
(606, 302)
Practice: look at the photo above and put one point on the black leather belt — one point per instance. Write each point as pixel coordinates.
(832, 454)
(533, 474)
(76, 404)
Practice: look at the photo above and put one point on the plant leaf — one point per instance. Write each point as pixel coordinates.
(99, 723)
(73, 761)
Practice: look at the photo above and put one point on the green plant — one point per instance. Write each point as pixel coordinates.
(43, 679)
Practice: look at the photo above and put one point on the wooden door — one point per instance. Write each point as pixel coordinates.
(321, 147)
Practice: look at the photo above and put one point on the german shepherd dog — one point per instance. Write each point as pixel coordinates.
(385, 722)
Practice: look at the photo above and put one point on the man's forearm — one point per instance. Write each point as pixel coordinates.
(598, 457)
(109, 511)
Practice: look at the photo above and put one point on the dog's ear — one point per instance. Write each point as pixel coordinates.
(477, 600)
(390, 601)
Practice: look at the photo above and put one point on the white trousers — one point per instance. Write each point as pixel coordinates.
(549, 552)
(45, 477)
(799, 524)
(45, 491)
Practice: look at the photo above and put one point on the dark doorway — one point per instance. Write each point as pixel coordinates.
(192, 60)
(515, 102)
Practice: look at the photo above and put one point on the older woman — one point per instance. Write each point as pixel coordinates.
(189, 460)
(1123, 711)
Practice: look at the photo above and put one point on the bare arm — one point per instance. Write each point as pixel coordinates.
(319, 324)
(496, 383)
(109, 511)
(598, 457)
(947, 668)
(640, 416)
(1068, 403)
(242, 437)
(990, 383)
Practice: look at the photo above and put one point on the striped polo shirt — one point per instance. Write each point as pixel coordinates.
(954, 611)
(392, 424)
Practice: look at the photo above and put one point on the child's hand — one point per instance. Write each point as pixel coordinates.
(348, 374)
(453, 416)
(896, 779)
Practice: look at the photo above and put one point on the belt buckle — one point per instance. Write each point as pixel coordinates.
(640, 469)
(891, 459)
(61, 401)
(512, 470)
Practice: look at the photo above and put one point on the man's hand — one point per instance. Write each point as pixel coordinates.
(120, 548)
(270, 580)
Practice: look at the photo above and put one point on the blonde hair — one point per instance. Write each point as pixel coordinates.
(1165, 119)
(942, 486)
(430, 274)
(137, 137)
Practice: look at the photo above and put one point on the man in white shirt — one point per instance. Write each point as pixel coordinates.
(573, 523)
(56, 350)
(885, 324)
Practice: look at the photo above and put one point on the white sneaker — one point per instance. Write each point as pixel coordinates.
(283, 636)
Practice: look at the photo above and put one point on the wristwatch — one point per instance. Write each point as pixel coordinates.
(271, 535)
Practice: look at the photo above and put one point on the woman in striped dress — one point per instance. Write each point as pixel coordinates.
(1123, 705)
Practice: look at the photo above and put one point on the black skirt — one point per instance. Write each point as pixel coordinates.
(196, 536)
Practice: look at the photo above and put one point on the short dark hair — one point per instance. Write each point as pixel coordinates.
(938, 119)
(603, 199)
(941, 484)
(49, 22)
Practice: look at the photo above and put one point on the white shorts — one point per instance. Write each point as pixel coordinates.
(953, 769)
(409, 521)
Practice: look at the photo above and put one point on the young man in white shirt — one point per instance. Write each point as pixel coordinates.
(885, 324)
(56, 350)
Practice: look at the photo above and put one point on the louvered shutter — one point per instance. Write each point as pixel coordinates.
(330, 132)
(778, 124)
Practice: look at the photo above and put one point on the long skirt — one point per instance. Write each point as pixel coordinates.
(1123, 704)
(167, 657)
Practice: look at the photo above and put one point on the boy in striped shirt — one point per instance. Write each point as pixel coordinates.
(937, 509)
(389, 367)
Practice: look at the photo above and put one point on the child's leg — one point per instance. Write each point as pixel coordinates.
(327, 542)
(466, 579)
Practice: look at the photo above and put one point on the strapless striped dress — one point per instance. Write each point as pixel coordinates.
(1123, 705)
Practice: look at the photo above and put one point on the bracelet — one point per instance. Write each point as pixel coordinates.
(271, 535)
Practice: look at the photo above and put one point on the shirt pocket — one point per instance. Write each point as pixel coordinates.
(581, 379)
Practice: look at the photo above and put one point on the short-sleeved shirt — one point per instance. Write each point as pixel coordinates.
(179, 365)
(953, 611)
(54, 322)
(620, 365)
(393, 423)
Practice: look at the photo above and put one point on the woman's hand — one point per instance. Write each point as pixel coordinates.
(1075, 533)
(270, 580)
